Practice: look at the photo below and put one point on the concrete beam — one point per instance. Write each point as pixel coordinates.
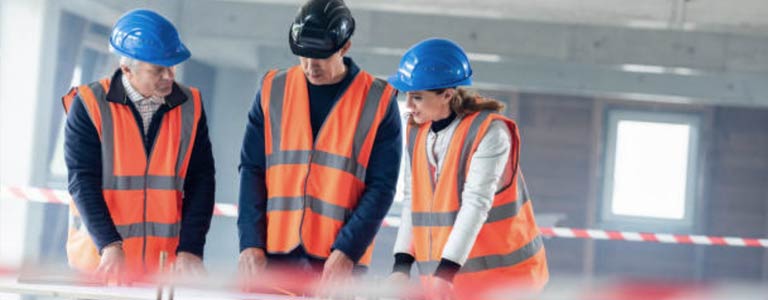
(673, 65)
(714, 88)
(267, 24)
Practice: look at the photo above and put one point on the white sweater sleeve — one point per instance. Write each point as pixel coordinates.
(480, 187)
(405, 232)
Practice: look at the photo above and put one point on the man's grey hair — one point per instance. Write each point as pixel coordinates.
(131, 63)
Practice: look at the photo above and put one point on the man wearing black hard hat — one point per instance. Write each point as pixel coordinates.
(321, 154)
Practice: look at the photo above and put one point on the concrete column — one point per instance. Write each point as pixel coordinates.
(22, 25)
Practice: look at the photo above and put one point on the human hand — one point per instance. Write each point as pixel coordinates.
(251, 262)
(398, 279)
(440, 289)
(189, 264)
(112, 262)
(338, 267)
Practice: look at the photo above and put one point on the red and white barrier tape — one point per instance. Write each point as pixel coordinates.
(44, 195)
(666, 238)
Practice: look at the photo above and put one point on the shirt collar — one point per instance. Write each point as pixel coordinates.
(134, 95)
(117, 92)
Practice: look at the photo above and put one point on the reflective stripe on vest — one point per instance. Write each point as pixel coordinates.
(509, 235)
(143, 191)
(301, 157)
(158, 182)
(316, 205)
(314, 183)
(488, 262)
(136, 230)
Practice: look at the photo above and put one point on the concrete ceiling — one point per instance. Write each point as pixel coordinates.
(690, 51)
(742, 16)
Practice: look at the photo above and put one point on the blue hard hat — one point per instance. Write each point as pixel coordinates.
(147, 36)
(432, 64)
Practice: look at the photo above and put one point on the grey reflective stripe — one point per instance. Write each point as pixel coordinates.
(364, 124)
(412, 134)
(329, 210)
(285, 203)
(434, 219)
(293, 157)
(276, 108)
(316, 205)
(127, 183)
(345, 164)
(495, 214)
(136, 230)
(301, 157)
(113, 182)
(367, 117)
(109, 181)
(489, 262)
(187, 126)
(467, 147)
(504, 211)
(526, 196)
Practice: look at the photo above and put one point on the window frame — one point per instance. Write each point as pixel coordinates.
(639, 223)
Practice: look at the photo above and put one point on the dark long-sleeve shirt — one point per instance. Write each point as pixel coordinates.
(82, 152)
(381, 177)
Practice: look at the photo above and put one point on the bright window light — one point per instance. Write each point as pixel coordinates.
(650, 170)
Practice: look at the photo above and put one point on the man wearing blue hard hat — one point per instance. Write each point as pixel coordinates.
(464, 223)
(141, 170)
(320, 156)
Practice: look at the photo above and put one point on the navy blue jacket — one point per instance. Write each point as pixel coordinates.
(82, 152)
(381, 177)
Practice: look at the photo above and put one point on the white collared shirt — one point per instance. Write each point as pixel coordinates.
(147, 106)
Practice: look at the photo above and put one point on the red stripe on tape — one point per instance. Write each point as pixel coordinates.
(716, 240)
(649, 237)
(18, 193)
(752, 243)
(547, 231)
(683, 239)
(217, 211)
(50, 196)
(614, 235)
(580, 233)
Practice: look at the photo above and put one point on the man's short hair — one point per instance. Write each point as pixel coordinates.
(129, 62)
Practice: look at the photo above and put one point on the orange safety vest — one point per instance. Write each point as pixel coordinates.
(143, 192)
(313, 186)
(508, 248)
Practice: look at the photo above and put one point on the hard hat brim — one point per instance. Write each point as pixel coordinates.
(181, 54)
(395, 81)
(310, 52)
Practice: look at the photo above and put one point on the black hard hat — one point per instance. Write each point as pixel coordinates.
(321, 28)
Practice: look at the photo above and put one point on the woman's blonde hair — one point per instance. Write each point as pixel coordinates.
(466, 101)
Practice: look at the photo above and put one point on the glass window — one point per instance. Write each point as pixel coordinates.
(650, 166)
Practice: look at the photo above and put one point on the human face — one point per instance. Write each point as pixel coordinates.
(428, 106)
(325, 71)
(151, 80)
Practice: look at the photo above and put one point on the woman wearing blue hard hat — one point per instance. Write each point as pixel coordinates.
(141, 170)
(463, 221)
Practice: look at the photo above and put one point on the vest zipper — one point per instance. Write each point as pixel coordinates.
(433, 179)
(304, 198)
(146, 186)
(339, 95)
